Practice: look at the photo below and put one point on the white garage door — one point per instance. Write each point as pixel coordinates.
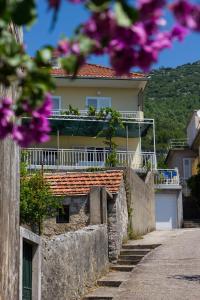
(166, 211)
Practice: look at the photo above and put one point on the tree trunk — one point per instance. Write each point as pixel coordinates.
(9, 220)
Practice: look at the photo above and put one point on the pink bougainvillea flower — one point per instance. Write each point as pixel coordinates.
(63, 47)
(187, 14)
(37, 127)
(6, 114)
(179, 32)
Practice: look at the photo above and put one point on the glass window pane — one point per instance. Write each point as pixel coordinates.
(92, 102)
(104, 102)
(56, 103)
(187, 169)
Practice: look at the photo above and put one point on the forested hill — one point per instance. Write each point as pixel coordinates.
(170, 97)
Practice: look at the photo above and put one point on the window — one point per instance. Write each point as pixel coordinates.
(187, 168)
(56, 103)
(98, 102)
(63, 215)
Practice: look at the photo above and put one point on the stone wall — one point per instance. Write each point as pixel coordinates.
(79, 217)
(117, 222)
(72, 262)
(141, 202)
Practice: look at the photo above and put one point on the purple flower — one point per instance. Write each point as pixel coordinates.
(37, 127)
(63, 47)
(6, 114)
(46, 108)
(179, 32)
(187, 14)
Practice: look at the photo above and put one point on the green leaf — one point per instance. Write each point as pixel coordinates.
(70, 64)
(24, 12)
(86, 44)
(97, 5)
(44, 55)
(126, 15)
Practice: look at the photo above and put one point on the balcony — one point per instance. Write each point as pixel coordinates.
(69, 159)
(178, 144)
(167, 178)
(84, 114)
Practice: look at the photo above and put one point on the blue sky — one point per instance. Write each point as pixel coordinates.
(71, 15)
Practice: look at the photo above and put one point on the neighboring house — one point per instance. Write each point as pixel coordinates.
(75, 140)
(185, 154)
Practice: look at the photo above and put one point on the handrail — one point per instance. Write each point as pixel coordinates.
(81, 158)
(85, 113)
(167, 177)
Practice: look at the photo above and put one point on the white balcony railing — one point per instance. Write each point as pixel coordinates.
(84, 114)
(64, 159)
(167, 177)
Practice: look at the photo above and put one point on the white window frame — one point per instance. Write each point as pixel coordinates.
(190, 167)
(98, 101)
(59, 103)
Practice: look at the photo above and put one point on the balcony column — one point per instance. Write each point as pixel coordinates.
(58, 147)
(127, 144)
(154, 145)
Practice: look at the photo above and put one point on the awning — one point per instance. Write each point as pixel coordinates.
(92, 128)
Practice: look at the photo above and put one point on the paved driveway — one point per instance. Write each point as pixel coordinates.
(170, 272)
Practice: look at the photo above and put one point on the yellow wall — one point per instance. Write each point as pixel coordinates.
(68, 142)
(195, 163)
(125, 99)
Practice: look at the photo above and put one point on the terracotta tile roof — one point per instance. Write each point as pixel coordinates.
(79, 183)
(96, 71)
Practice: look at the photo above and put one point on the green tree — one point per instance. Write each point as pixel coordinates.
(36, 200)
(113, 123)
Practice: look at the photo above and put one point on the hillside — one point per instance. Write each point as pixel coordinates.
(170, 97)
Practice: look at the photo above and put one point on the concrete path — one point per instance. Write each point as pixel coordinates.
(170, 272)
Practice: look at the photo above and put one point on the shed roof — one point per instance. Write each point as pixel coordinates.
(79, 183)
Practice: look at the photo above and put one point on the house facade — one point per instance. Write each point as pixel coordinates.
(185, 154)
(76, 139)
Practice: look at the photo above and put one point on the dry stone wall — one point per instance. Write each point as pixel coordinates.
(72, 262)
(117, 223)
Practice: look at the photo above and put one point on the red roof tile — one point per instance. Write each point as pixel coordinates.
(79, 183)
(96, 71)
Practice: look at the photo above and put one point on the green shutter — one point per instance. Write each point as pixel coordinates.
(27, 271)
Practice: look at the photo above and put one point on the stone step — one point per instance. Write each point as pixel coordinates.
(134, 251)
(131, 257)
(113, 279)
(127, 262)
(141, 246)
(191, 225)
(195, 223)
(122, 268)
(102, 293)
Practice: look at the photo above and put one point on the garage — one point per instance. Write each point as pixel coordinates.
(166, 211)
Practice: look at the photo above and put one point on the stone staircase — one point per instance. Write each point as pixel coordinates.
(194, 223)
(129, 257)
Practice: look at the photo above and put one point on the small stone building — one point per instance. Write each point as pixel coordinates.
(90, 198)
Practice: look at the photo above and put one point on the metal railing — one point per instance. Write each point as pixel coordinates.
(85, 114)
(167, 177)
(178, 143)
(64, 159)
